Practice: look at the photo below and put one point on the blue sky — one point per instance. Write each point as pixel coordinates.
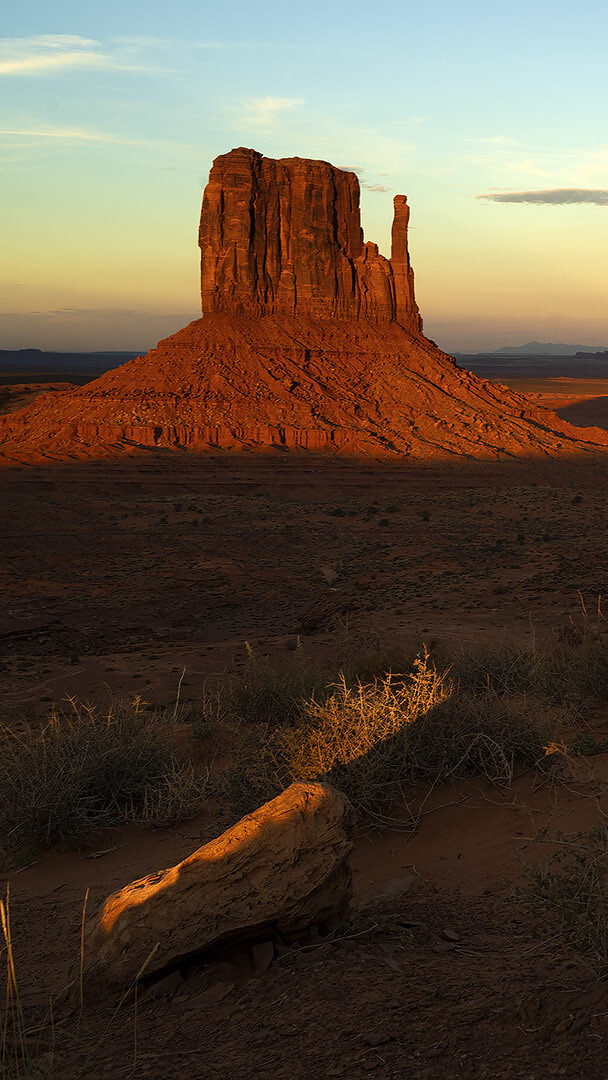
(490, 117)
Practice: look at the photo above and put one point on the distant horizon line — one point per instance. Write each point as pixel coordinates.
(502, 349)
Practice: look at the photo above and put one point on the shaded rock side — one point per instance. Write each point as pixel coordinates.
(279, 869)
(284, 237)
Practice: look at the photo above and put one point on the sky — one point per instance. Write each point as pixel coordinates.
(490, 117)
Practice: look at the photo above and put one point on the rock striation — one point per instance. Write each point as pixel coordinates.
(285, 238)
(275, 872)
(309, 340)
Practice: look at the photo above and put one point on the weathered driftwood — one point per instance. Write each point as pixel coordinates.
(279, 870)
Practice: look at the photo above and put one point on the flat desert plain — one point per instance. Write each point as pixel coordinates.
(145, 577)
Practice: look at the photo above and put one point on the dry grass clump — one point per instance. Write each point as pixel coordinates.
(25, 1052)
(373, 740)
(507, 668)
(573, 888)
(266, 693)
(275, 693)
(88, 770)
(573, 669)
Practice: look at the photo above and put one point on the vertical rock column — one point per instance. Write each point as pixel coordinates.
(407, 312)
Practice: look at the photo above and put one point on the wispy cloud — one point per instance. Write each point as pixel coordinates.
(361, 174)
(262, 112)
(72, 133)
(48, 53)
(231, 44)
(498, 140)
(551, 197)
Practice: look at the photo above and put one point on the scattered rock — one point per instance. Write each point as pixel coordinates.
(378, 1038)
(262, 955)
(213, 995)
(444, 946)
(283, 868)
(165, 987)
(450, 935)
(385, 898)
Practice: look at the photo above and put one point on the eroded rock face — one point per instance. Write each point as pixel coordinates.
(277, 870)
(324, 386)
(310, 341)
(284, 238)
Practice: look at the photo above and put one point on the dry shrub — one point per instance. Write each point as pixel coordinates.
(275, 693)
(572, 889)
(573, 669)
(373, 740)
(506, 668)
(267, 693)
(88, 770)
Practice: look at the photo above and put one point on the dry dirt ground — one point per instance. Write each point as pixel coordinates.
(117, 576)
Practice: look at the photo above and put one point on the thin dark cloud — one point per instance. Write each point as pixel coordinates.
(552, 197)
(361, 173)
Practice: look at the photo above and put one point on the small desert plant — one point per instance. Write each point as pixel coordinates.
(270, 693)
(24, 1053)
(373, 739)
(586, 744)
(572, 888)
(581, 660)
(573, 670)
(89, 769)
(504, 668)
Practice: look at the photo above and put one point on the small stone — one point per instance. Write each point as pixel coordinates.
(164, 987)
(262, 955)
(378, 1038)
(450, 935)
(212, 996)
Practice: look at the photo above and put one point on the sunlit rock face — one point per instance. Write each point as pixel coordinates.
(284, 238)
(310, 340)
(276, 872)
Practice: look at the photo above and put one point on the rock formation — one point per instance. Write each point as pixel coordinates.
(285, 238)
(310, 339)
(277, 871)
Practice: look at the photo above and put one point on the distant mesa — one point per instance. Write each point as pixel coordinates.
(546, 348)
(310, 340)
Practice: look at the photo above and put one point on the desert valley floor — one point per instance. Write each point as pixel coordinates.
(136, 576)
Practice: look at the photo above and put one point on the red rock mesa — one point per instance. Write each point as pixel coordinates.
(285, 238)
(309, 339)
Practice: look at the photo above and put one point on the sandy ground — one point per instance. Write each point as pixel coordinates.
(116, 577)
(582, 402)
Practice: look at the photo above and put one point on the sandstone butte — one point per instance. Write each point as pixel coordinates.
(309, 339)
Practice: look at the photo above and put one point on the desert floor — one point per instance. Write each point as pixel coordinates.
(121, 578)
